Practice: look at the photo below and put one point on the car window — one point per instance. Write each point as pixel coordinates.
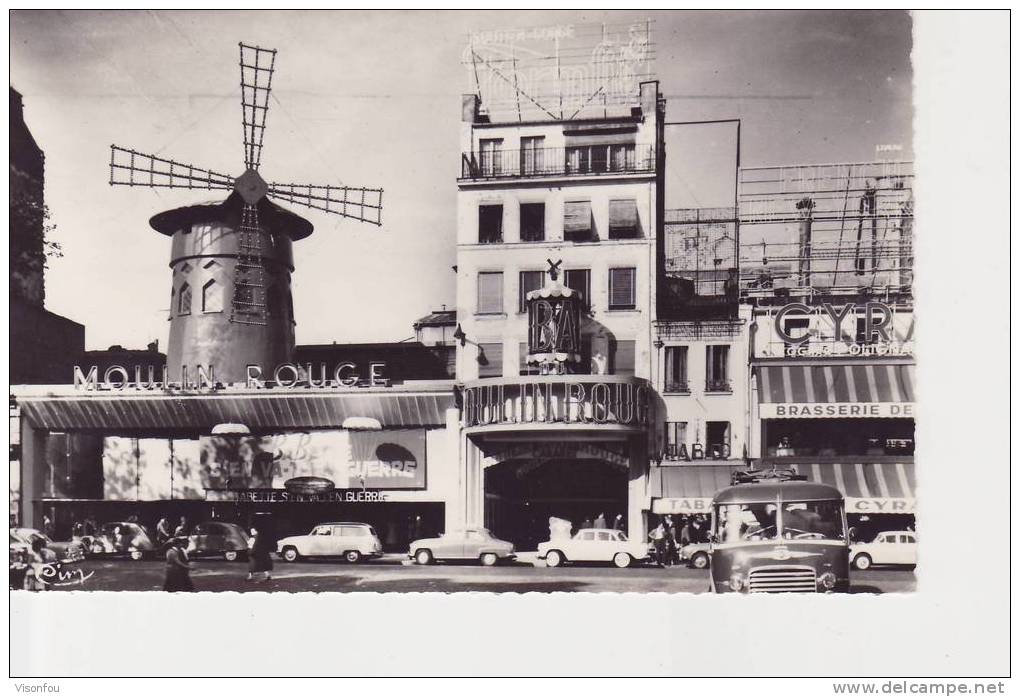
(621, 536)
(907, 538)
(604, 536)
(322, 531)
(587, 535)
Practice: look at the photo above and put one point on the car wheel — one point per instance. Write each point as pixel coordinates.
(230, 555)
(423, 557)
(488, 559)
(136, 555)
(353, 556)
(622, 560)
(700, 561)
(290, 554)
(554, 558)
(862, 562)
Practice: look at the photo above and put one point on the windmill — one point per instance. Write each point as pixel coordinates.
(246, 245)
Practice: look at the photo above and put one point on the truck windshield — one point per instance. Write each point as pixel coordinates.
(752, 522)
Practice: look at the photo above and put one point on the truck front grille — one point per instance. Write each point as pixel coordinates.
(782, 579)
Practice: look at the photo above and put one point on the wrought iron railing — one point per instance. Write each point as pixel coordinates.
(718, 386)
(548, 162)
(677, 386)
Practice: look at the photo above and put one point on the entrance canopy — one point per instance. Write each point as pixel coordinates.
(838, 391)
(687, 489)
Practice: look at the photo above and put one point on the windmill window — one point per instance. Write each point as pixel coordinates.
(186, 267)
(212, 297)
(184, 300)
(211, 265)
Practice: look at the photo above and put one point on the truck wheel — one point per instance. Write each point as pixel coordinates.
(290, 554)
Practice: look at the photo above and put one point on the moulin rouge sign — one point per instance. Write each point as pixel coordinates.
(117, 377)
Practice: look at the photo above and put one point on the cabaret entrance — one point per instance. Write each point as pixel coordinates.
(579, 482)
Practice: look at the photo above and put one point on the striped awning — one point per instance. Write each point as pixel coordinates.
(258, 411)
(687, 489)
(851, 390)
(869, 487)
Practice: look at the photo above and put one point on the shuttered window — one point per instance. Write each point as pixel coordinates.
(577, 225)
(490, 224)
(621, 357)
(623, 219)
(529, 281)
(621, 289)
(490, 360)
(532, 222)
(490, 293)
(579, 280)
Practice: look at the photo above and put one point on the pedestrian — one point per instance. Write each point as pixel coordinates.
(657, 536)
(178, 569)
(618, 522)
(600, 521)
(671, 553)
(686, 533)
(586, 524)
(182, 528)
(260, 560)
(162, 531)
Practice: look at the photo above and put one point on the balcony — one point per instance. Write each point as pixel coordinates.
(606, 160)
(677, 387)
(608, 402)
(718, 386)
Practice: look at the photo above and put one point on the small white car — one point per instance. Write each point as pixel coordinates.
(890, 547)
(696, 554)
(594, 544)
(352, 541)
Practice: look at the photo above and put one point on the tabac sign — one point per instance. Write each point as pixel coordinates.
(852, 329)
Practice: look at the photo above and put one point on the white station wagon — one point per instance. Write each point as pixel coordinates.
(890, 547)
(594, 544)
(352, 541)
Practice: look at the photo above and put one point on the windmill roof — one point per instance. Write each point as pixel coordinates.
(276, 217)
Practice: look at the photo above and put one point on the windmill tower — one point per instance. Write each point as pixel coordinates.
(232, 260)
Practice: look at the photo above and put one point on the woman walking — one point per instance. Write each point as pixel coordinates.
(260, 560)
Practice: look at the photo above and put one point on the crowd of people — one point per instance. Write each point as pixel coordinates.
(673, 533)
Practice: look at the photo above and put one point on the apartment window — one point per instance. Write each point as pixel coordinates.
(491, 156)
(585, 159)
(532, 222)
(717, 439)
(530, 280)
(717, 377)
(621, 357)
(675, 437)
(490, 293)
(577, 222)
(490, 360)
(212, 297)
(532, 149)
(621, 157)
(523, 367)
(676, 369)
(490, 224)
(184, 300)
(623, 219)
(621, 289)
(579, 280)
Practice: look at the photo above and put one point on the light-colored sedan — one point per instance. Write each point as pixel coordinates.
(594, 544)
(352, 541)
(890, 547)
(461, 545)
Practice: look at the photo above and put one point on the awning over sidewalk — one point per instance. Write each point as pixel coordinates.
(686, 489)
(258, 411)
(865, 390)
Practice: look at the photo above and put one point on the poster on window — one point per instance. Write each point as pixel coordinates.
(387, 460)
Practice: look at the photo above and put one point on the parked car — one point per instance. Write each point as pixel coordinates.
(352, 541)
(122, 539)
(695, 554)
(594, 544)
(67, 552)
(469, 543)
(890, 547)
(216, 539)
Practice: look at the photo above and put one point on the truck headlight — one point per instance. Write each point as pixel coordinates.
(827, 580)
(736, 581)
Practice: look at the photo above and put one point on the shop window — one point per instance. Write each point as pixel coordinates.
(491, 156)
(212, 297)
(490, 360)
(184, 300)
(577, 222)
(717, 360)
(490, 224)
(490, 293)
(522, 367)
(717, 439)
(529, 281)
(623, 219)
(532, 152)
(675, 436)
(676, 369)
(579, 280)
(621, 357)
(532, 222)
(622, 295)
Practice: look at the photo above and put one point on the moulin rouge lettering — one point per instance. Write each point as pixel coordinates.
(118, 378)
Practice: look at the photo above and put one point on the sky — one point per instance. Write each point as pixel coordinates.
(372, 98)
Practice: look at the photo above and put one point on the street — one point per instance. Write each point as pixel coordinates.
(394, 573)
